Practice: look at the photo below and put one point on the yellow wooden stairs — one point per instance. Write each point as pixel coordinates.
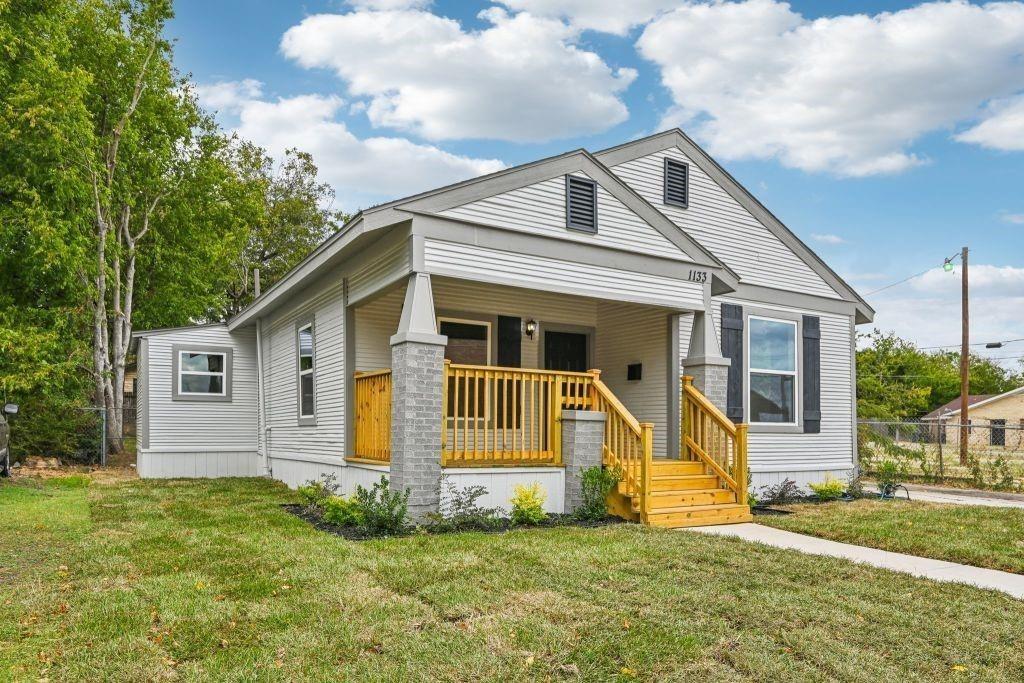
(707, 486)
(683, 493)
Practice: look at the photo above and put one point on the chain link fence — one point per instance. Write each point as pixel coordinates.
(77, 436)
(929, 450)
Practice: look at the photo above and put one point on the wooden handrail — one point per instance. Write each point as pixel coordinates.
(628, 445)
(507, 416)
(706, 432)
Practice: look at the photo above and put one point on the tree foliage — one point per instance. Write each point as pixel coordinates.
(897, 380)
(122, 204)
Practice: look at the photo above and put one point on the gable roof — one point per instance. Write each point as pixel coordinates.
(677, 138)
(953, 406)
(973, 401)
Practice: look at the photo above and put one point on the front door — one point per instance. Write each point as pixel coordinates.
(565, 351)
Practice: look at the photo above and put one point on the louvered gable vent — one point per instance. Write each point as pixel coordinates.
(677, 180)
(580, 204)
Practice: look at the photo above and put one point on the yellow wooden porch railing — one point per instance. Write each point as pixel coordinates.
(708, 435)
(628, 444)
(507, 416)
(373, 416)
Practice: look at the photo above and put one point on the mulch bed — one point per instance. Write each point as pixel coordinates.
(352, 533)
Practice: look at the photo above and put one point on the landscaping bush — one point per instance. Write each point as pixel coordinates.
(459, 509)
(343, 511)
(598, 482)
(889, 475)
(830, 489)
(855, 486)
(528, 503)
(385, 512)
(314, 493)
(781, 494)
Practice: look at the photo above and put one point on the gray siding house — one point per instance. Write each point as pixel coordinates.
(634, 307)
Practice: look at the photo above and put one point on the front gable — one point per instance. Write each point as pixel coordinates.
(540, 208)
(726, 219)
(532, 199)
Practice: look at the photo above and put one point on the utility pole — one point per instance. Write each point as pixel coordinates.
(965, 358)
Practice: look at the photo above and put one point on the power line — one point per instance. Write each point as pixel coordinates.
(947, 346)
(947, 262)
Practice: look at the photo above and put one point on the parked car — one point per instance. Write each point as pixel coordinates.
(5, 439)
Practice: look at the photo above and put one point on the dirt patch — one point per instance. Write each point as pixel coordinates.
(103, 475)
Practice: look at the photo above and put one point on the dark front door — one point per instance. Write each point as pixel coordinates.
(565, 351)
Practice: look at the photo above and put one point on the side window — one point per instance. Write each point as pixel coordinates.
(307, 373)
(772, 375)
(201, 374)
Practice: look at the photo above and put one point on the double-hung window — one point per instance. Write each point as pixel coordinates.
(307, 373)
(201, 374)
(772, 374)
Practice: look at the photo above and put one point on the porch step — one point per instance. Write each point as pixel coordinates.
(666, 467)
(683, 482)
(671, 499)
(699, 515)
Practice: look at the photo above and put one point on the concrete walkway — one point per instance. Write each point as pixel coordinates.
(941, 494)
(937, 570)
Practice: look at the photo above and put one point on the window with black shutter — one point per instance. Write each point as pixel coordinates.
(677, 181)
(580, 204)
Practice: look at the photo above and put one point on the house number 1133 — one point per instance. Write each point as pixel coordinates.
(698, 276)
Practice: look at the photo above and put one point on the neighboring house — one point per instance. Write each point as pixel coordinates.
(999, 420)
(521, 326)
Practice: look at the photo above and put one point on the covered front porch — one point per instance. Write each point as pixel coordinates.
(541, 384)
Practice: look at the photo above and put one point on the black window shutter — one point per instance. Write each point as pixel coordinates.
(732, 348)
(677, 181)
(580, 204)
(510, 350)
(812, 374)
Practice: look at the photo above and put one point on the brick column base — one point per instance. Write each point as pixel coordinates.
(417, 375)
(711, 379)
(582, 440)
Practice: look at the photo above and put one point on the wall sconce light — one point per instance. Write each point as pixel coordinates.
(531, 328)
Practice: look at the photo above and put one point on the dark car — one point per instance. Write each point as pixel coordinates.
(5, 435)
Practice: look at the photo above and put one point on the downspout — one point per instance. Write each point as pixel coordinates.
(261, 413)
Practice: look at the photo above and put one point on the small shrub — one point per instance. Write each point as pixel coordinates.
(528, 503)
(459, 509)
(315, 492)
(781, 494)
(829, 490)
(855, 486)
(384, 512)
(343, 511)
(598, 482)
(889, 474)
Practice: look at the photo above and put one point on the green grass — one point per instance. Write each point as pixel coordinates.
(212, 580)
(981, 536)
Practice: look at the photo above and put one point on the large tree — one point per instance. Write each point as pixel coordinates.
(289, 214)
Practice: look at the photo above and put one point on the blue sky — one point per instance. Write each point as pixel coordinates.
(871, 137)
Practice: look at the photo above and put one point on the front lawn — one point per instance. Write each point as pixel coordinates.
(982, 536)
(146, 580)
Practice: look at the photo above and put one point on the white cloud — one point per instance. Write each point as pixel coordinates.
(1014, 218)
(227, 96)
(826, 238)
(520, 79)
(1002, 127)
(927, 309)
(362, 171)
(607, 16)
(845, 94)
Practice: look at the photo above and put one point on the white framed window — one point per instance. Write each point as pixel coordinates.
(201, 373)
(469, 341)
(772, 380)
(306, 367)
